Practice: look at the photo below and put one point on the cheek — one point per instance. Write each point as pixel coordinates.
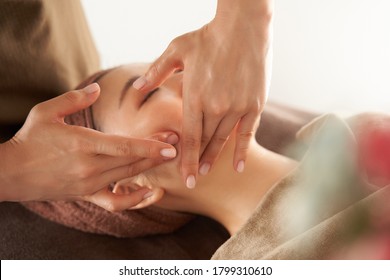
(158, 117)
(161, 116)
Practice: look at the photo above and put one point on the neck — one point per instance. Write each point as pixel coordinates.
(230, 197)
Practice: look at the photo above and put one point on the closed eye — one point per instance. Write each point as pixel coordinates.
(148, 95)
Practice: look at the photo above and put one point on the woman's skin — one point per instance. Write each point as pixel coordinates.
(224, 194)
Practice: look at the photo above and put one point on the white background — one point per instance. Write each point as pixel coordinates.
(329, 55)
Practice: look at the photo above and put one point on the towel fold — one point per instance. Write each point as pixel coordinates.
(88, 217)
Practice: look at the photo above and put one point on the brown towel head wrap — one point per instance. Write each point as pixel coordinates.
(88, 217)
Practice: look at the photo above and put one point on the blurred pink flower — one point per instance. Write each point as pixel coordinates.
(374, 147)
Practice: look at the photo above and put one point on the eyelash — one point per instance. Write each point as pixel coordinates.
(148, 95)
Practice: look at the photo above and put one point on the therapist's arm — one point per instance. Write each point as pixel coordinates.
(50, 160)
(227, 66)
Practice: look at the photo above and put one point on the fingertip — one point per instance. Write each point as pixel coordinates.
(168, 152)
(149, 198)
(147, 195)
(240, 166)
(191, 181)
(92, 88)
(170, 138)
(140, 83)
(204, 168)
(173, 139)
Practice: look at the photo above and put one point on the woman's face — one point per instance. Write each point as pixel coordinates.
(122, 110)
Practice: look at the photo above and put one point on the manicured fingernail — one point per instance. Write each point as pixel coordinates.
(92, 88)
(169, 153)
(139, 83)
(173, 139)
(147, 195)
(240, 166)
(204, 168)
(190, 183)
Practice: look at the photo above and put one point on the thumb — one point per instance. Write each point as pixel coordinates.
(159, 71)
(137, 199)
(70, 102)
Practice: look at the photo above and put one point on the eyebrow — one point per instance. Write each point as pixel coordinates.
(125, 88)
(102, 73)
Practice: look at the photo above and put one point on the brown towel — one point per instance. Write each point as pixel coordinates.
(87, 217)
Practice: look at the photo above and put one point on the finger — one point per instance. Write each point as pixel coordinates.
(159, 71)
(210, 125)
(70, 102)
(117, 202)
(103, 163)
(166, 137)
(191, 141)
(216, 143)
(150, 199)
(126, 171)
(114, 145)
(128, 187)
(244, 134)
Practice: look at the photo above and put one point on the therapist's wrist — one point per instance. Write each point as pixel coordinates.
(250, 10)
(4, 174)
(11, 169)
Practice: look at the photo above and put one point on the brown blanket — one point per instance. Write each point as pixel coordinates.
(323, 210)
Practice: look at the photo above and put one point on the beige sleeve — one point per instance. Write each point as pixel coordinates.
(45, 49)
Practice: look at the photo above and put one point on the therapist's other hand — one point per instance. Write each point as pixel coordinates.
(226, 72)
(50, 160)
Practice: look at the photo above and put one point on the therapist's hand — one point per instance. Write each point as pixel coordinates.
(50, 160)
(225, 82)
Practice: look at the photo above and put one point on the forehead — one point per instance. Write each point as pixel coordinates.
(125, 72)
(112, 83)
(134, 68)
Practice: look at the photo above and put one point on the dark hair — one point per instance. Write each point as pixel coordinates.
(88, 112)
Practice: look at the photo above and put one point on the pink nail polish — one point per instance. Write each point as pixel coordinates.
(240, 166)
(139, 83)
(147, 195)
(169, 153)
(190, 183)
(204, 168)
(92, 88)
(173, 139)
